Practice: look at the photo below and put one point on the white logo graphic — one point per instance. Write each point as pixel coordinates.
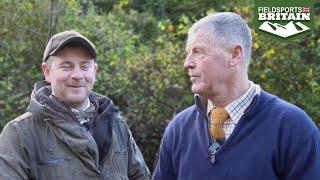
(295, 17)
(290, 29)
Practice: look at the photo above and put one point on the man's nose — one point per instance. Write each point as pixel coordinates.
(76, 73)
(189, 62)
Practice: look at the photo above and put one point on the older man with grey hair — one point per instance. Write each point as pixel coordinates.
(235, 130)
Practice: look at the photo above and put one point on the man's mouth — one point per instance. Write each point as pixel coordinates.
(75, 86)
(193, 73)
(193, 77)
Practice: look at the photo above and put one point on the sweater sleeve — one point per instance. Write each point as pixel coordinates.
(306, 162)
(164, 169)
(13, 159)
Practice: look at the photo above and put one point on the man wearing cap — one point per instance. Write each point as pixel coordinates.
(69, 131)
(235, 130)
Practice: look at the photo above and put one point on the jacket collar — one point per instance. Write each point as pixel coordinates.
(86, 146)
(43, 102)
(260, 101)
(201, 103)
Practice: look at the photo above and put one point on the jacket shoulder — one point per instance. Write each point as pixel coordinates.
(183, 120)
(22, 120)
(23, 126)
(294, 116)
(183, 117)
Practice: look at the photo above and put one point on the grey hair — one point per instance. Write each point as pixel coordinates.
(227, 29)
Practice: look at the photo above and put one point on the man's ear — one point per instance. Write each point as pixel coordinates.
(46, 71)
(237, 55)
(96, 68)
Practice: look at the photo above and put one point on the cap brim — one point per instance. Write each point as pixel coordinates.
(75, 39)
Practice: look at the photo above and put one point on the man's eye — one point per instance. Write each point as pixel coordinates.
(198, 52)
(66, 67)
(85, 67)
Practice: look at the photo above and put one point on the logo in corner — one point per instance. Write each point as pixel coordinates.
(285, 19)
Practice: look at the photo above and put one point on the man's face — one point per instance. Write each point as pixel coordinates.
(71, 74)
(207, 64)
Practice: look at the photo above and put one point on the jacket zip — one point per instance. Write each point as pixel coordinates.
(109, 148)
(219, 149)
(99, 168)
(90, 137)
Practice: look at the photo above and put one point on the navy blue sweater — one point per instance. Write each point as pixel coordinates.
(273, 140)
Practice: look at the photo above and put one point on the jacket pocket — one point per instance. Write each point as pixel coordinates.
(120, 161)
(117, 160)
(120, 152)
(56, 168)
(54, 161)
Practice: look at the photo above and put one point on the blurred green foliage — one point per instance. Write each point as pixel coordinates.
(141, 49)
